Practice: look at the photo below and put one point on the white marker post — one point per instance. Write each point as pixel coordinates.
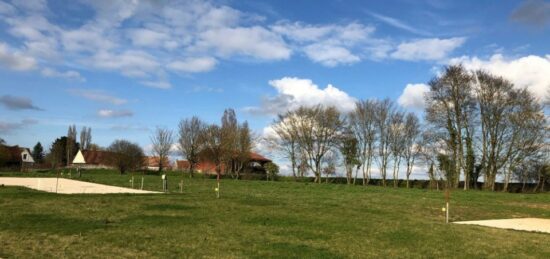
(141, 183)
(447, 198)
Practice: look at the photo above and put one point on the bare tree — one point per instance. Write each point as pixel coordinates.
(286, 140)
(362, 121)
(317, 130)
(527, 135)
(397, 145)
(213, 147)
(162, 141)
(189, 141)
(350, 153)
(71, 147)
(449, 102)
(244, 146)
(383, 113)
(411, 135)
(230, 139)
(85, 138)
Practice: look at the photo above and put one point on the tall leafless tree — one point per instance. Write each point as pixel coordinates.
(285, 139)
(396, 132)
(230, 138)
(71, 139)
(362, 122)
(449, 102)
(162, 141)
(213, 147)
(383, 114)
(411, 135)
(317, 129)
(189, 141)
(244, 147)
(85, 138)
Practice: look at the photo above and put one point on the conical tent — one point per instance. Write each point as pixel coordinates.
(79, 158)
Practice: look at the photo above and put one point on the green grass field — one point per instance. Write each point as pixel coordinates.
(263, 219)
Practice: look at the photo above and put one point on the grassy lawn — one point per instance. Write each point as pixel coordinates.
(263, 219)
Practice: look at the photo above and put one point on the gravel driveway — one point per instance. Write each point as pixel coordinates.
(66, 186)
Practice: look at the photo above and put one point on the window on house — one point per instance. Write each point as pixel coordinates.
(24, 156)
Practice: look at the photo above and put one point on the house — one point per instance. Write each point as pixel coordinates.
(19, 157)
(96, 159)
(152, 163)
(255, 165)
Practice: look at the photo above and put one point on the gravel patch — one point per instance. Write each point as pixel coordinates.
(66, 186)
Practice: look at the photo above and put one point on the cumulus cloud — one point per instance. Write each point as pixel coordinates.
(531, 72)
(15, 60)
(413, 96)
(193, 65)
(18, 103)
(105, 113)
(98, 96)
(9, 127)
(294, 92)
(532, 12)
(427, 49)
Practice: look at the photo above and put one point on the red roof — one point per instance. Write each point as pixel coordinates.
(96, 157)
(255, 157)
(207, 166)
(153, 161)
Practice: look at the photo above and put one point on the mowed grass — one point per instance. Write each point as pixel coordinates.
(263, 219)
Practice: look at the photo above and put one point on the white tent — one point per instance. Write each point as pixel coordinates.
(79, 158)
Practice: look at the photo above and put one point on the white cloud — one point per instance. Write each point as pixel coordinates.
(255, 41)
(413, 96)
(15, 60)
(531, 72)
(294, 92)
(131, 63)
(105, 113)
(70, 74)
(427, 49)
(161, 84)
(147, 37)
(193, 65)
(98, 96)
(398, 24)
(332, 45)
(330, 55)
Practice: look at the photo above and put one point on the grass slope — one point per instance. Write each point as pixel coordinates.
(263, 219)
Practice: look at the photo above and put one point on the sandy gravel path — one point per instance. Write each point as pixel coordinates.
(525, 224)
(66, 186)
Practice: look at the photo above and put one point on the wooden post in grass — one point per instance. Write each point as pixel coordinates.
(218, 186)
(57, 181)
(181, 186)
(141, 183)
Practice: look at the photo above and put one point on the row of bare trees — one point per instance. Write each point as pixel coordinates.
(484, 126)
(376, 131)
(476, 124)
(227, 146)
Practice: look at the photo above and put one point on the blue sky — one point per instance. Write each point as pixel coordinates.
(126, 67)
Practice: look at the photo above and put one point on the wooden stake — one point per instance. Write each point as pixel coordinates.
(56, 181)
(141, 183)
